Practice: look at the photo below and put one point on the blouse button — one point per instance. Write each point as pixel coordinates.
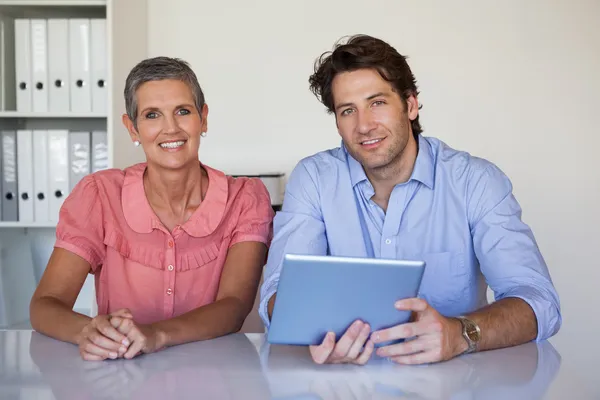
(169, 292)
(170, 243)
(170, 267)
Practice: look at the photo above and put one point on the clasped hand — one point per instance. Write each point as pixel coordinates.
(429, 337)
(116, 335)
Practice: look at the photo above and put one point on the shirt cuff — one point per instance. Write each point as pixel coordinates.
(269, 289)
(545, 307)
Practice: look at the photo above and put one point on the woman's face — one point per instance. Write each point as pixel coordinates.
(168, 123)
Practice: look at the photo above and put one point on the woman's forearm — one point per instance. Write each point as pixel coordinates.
(220, 318)
(53, 318)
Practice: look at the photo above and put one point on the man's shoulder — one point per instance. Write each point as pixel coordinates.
(324, 164)
(457, 163)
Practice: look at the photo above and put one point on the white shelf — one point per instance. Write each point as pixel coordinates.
(47, 115)
(52, 3)
(17, 224)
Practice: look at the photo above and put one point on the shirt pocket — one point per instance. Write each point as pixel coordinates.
(445, 280)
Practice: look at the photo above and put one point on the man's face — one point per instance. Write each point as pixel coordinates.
(371, 118)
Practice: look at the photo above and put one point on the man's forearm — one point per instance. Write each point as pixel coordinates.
(213, 320)
(504, 323)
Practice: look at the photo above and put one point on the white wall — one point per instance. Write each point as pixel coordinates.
(515, 82)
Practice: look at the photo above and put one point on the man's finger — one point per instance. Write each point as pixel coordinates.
(426, 357)
(422, 343)
(321, 353)
(342, 348)
(408, 330)
(413, 304)
(360, 341)
(366, 354)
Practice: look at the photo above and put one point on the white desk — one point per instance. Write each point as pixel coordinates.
(240, 366)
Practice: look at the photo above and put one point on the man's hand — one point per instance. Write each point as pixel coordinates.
(430, 338)
(100, 340)
(143, 338)
(349, 349)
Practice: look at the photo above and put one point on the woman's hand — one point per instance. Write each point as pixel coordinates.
(143, 338)
(100, 340)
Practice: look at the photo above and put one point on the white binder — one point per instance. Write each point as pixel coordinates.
(25, 175)
(23, 64)
(39, 65)
(58, 170)
(58, 65)
(79, 65)
(99, 65)
(41, 208)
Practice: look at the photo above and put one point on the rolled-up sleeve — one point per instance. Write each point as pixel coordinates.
(297, 229)
(507, 251)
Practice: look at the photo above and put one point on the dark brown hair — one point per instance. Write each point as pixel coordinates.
(363, 51)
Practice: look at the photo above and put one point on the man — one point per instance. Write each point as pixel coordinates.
(389, 192)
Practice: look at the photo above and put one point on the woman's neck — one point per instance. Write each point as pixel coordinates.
(176, 192)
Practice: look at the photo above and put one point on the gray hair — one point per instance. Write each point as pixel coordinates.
(156, 69)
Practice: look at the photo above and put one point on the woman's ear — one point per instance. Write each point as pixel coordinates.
(128, 123)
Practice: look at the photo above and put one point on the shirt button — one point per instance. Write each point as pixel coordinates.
(170, 243)
(388, 241)
(169, 292)
(170, 267)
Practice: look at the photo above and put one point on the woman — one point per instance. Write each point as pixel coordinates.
(176, 247)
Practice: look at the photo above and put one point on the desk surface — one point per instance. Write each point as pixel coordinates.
(240, 366)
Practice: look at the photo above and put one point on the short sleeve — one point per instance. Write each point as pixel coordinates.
(255, 222)
(80, 228)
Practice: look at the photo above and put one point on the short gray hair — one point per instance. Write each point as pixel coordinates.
(157, 69)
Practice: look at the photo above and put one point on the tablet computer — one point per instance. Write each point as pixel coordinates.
(318, 294)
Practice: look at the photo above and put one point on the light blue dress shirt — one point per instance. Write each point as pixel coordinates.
(457, 212)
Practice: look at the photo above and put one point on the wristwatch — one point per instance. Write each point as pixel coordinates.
(471, 333)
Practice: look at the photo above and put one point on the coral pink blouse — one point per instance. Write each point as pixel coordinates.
(137, 263)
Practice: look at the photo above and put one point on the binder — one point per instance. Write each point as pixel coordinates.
(79, 65)
(41, 207)
(79, 157)
(25, 175)
(39, 65)
(99, 64)
(99, 151)
(58, 65)
(7, 65)
(23, 64)
(10, 204)
(58, 170)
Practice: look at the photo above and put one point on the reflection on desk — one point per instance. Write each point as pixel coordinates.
(33, 366)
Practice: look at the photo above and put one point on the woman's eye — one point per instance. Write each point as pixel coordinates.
(183, 111)
(378, 102)
(151, 115)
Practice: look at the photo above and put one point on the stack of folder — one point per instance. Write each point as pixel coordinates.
(39, 168)
(53, 65)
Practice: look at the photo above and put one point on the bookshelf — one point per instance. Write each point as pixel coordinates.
(126, 44)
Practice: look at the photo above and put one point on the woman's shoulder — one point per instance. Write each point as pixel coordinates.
(115, 177)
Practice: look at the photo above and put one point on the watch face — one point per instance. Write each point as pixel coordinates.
(473, 333)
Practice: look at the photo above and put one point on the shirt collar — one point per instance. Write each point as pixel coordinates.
(141, 217)
(423, 170)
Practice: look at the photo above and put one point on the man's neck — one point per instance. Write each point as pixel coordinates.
(398, 171)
